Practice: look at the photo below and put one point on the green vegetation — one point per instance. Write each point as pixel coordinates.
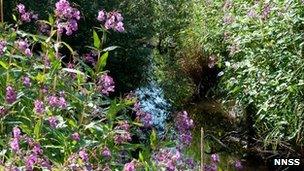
(236, 66)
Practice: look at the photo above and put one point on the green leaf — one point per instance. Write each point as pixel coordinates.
(153, 139)
(14, 18)
(141, 157)
(51, 19)
(110, 48)
(96, 40)
(37, 128)
(72, 123)
(53, 146)
(102, 61)
(207, 148)
(3, 64)
(2, 153)
(94, 126)
(40, 77)
(113, 110)
(74, 71)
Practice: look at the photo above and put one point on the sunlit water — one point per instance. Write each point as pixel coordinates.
(152, 100)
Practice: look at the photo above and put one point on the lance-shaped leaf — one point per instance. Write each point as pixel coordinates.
(96, 40)
(102, 61)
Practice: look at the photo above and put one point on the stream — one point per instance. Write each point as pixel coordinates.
(152, 100)
(207, 114)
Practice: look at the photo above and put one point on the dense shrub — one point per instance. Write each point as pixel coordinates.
(178, 88)
(264, 66)
(259, 47)
(172, 19)
(190, 66)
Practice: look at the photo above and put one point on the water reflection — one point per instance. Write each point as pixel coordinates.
(152, 100)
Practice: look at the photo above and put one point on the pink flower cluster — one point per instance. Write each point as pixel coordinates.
(123, 133)
(23, 46)
(11, 95)
(16, 138)
(67, 17)
(144, 117)
(168, 158)
(32, 158)
(130, 166)
(105, 152)
(80, 161)
(75, 136)
(53, 121)
(58, 102)
(112, 20)
(2, 47)
(215, 159)
(36, 159)
(26, 16)
(184, 124)
(26, 81)
(106, 84)
(38, 106)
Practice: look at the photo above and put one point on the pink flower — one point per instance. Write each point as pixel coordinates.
(53, 121)
(106, 84)
(129, 166)
(24, 15)
(84, 155)
(238, 165)
(2, 47)
(28, 52)
(37, 149)
(23, 46)
(106, 152)
(215, 158)
(38, 106)
(21, 8)
(15, 144)
(31, 161)
(67, 17)
(59, 102)
(11, 95)
(16, 132)
(75, 136)
(124, 133)
(119, 27)
(112, 20)
(26, 81)
(184, 125)
(101, 16)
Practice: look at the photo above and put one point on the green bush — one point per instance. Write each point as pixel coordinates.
(259, 47)
(265, 65)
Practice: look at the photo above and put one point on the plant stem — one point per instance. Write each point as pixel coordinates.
(1, 126)
(55, 82)
(202, 149)
(2, 17)
(9, 66)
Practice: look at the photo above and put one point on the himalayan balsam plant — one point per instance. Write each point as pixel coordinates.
(55, 109)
